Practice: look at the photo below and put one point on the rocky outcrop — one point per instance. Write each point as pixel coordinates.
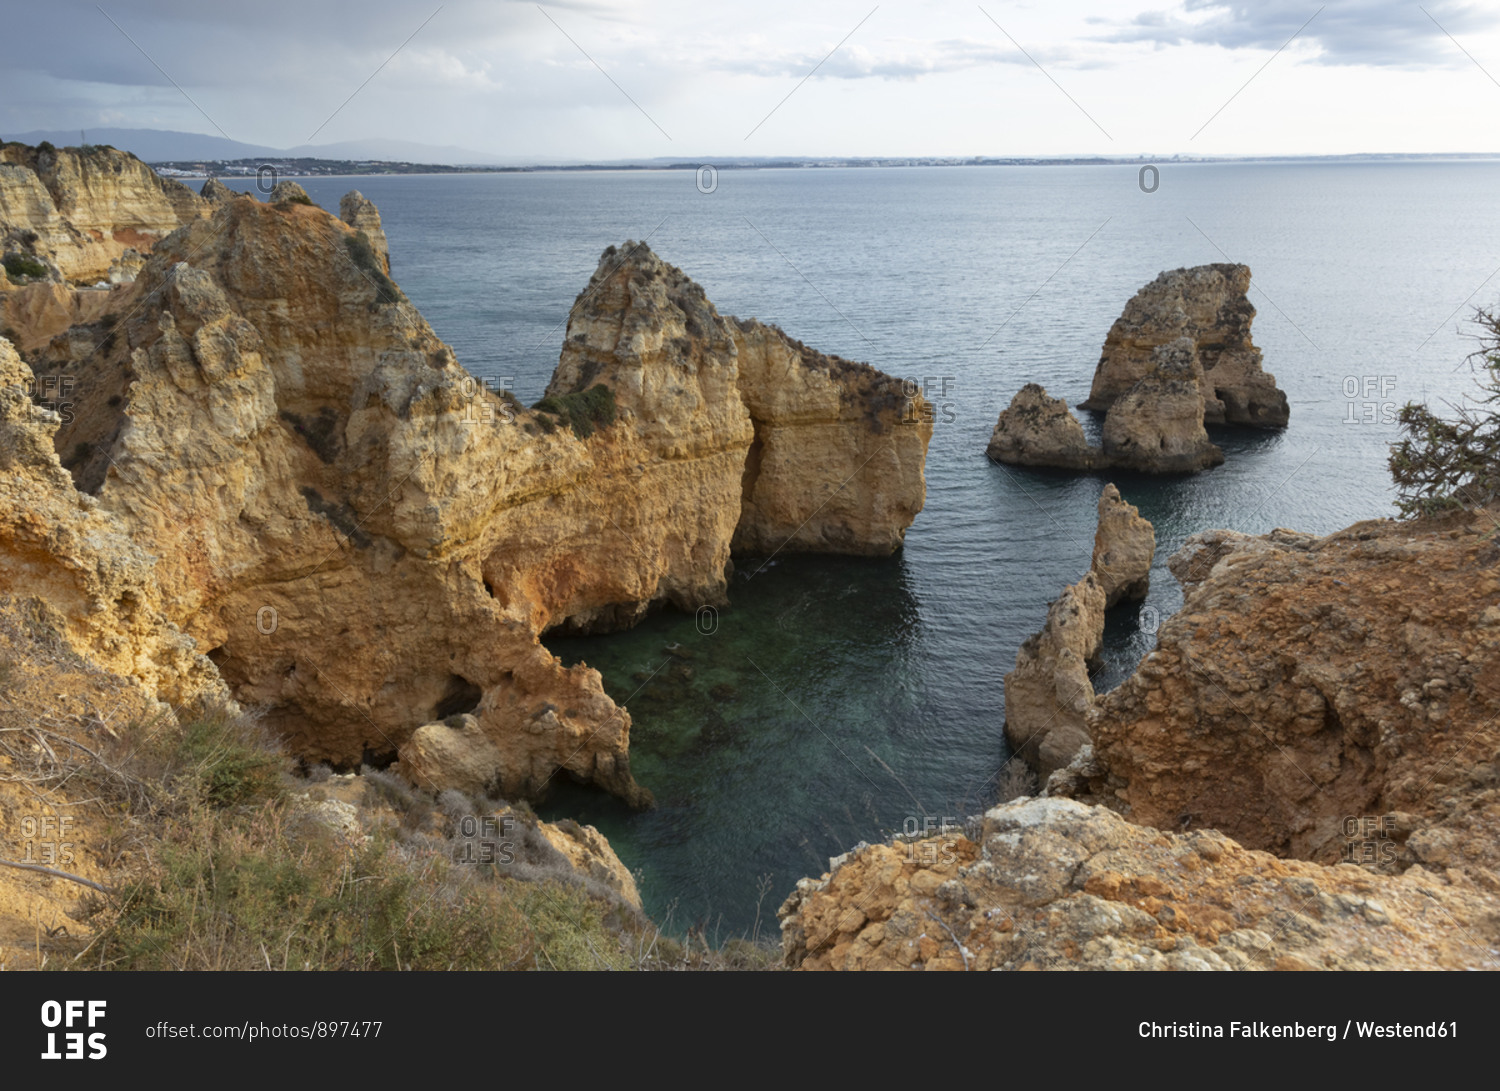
(1157, 425)
(1208, 305)
(360, 213)
(80, 210)
(1124, 547)
(287, 190)
(856, 432)
(1317, 697)
(1049, 697)
(76, 563)
(1050, 884)
(1037, 430)
(369, 543)
(787, 448)
(216, 191)
(1154, 427)
(591, 855)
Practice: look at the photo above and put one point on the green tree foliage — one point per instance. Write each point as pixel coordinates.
(1441, 463)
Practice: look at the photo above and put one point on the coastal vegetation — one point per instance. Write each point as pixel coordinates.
(1443, 463)
(583, 410)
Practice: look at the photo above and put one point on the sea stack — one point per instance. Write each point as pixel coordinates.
(1209, 306)
(1037, 430)
(1048, 697)
(1157, 425)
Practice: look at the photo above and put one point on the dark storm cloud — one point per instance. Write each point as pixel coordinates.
(1382, 33)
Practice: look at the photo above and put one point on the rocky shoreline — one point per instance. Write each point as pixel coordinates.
(276, 488)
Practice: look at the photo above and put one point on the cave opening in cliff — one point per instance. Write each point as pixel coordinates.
(459, 697)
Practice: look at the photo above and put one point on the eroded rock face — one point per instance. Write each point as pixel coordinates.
(368, 541)
(1208, 305)
(1311, 687)
(1157, 425)
(1050, 884)
(360, 213)
(856, 432)
(591, 855)
(1049, 697)
(216, 191)
(1154, 427)
(79, 210)
(77, 562)
(1037, 430)
(1124, 546)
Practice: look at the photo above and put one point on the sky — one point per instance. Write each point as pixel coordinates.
(590, 79)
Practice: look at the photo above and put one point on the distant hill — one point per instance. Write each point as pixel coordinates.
(160, 145)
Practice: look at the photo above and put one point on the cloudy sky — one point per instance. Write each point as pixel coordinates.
(594, 79)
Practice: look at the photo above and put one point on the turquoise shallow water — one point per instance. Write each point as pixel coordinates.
(841, 699)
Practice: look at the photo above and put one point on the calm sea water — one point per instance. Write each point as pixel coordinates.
(841, 699)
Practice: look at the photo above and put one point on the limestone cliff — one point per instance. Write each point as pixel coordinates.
(790, 449)
(75, 563)
(369, 543)
(360, 213)
(1124, 546)
(1311, 687)
(1050, 884)
(1208, 305)
(82, 211)
(1048, 696)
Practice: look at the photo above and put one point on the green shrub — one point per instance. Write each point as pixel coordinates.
(583, 410)
(226, 760)
(252, 895)
(1443, 464)
(23, 265)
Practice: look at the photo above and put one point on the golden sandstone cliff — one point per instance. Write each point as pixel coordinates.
(88, 214)
(368, 544)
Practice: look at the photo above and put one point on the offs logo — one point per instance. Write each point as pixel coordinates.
(69, 1014)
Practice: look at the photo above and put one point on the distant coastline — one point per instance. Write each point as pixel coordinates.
(308, 167)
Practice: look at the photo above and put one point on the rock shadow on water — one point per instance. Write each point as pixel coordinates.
(742, 727)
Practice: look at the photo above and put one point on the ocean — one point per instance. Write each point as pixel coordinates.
(839, 700)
